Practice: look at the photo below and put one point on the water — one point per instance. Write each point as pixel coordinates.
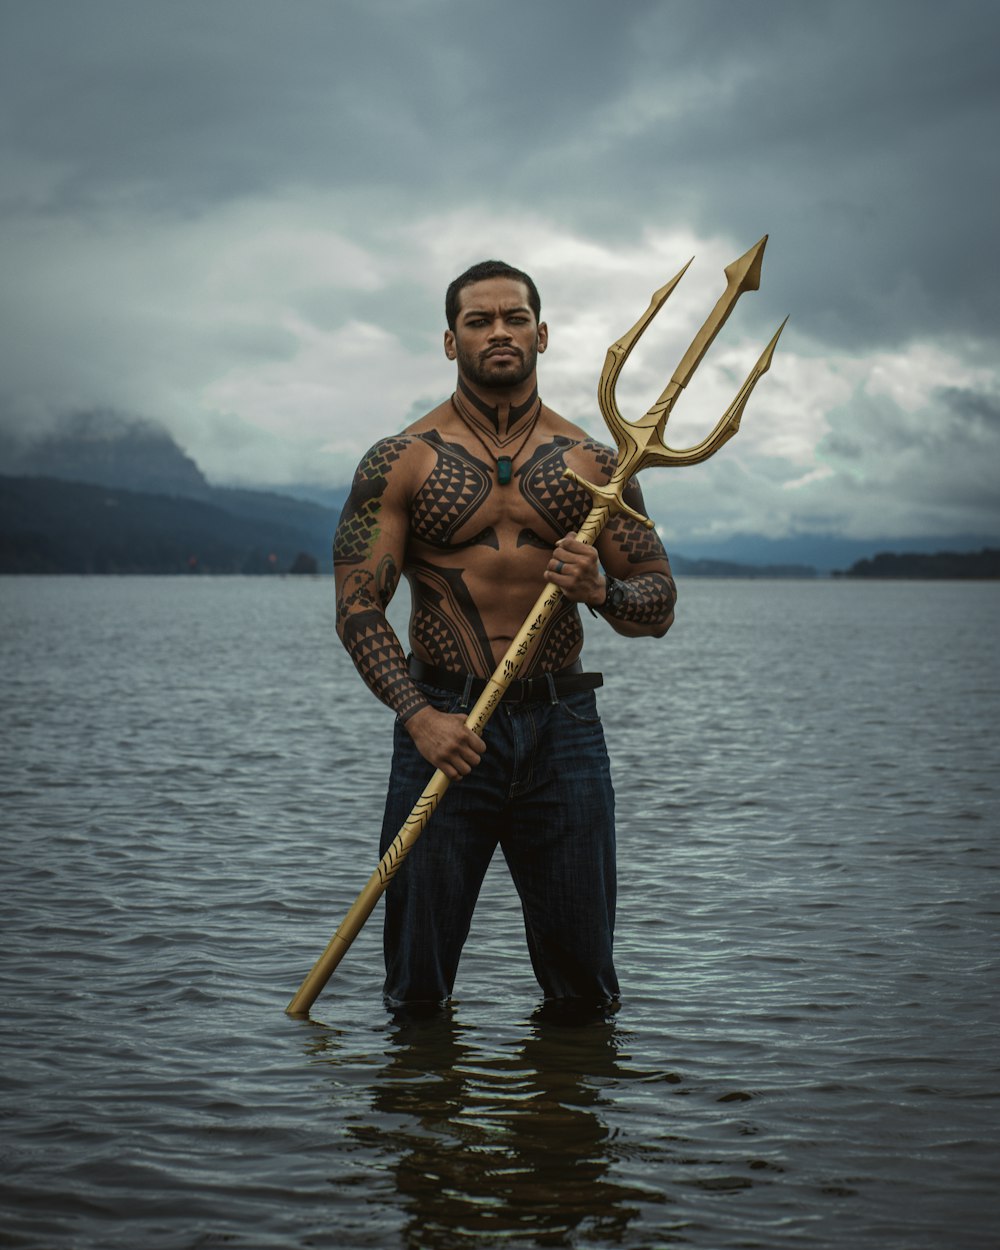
(806, 1055)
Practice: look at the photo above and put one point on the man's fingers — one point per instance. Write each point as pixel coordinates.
(569, 563)
(470, 743)
(572, 546)
(464, 753)
(444, 740)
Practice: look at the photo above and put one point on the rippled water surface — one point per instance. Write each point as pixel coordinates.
(806, 1054)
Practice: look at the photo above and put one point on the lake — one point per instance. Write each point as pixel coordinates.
(806, 1054)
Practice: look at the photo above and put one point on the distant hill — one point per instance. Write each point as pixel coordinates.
(111, 493)
(824, 552)
(685, 567)
(919, 565)
(51, 526)
(107, 448)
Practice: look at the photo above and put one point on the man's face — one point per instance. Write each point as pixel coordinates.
(496, 339)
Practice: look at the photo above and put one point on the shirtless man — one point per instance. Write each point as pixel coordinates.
(471, 505)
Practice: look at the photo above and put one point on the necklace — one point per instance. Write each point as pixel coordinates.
(505, 464)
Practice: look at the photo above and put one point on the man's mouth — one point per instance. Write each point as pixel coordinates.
(503, 353)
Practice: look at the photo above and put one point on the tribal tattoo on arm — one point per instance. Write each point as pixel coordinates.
(631, 553)
(648, 594)
(367, 548)
(635, 557)
(648, 600)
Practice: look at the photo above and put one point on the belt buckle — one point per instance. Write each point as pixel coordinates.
(515, 692)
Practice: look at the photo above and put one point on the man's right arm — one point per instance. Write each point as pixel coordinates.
(368, 554)
(367, 557)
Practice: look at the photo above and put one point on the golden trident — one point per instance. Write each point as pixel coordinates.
(640, 444)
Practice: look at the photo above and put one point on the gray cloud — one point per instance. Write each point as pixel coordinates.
(161, 161)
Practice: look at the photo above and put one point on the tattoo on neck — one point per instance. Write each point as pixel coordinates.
(480, 415)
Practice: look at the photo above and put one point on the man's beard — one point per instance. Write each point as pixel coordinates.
(476, 369)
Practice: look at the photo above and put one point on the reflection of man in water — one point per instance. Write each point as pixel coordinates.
(503, 1144)
(472, 506)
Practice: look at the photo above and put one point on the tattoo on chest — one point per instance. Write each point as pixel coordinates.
(528, 538)
(452, 493)
(561, 638)
(358, 528)
(560, 502)
(445, 622)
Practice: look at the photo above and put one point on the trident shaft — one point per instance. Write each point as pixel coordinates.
(640, 445)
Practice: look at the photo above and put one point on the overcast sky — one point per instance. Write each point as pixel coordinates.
(238, 218)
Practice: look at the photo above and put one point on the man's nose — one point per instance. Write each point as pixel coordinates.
(499, 330)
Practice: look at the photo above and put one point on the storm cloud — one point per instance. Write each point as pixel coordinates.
(239, 219)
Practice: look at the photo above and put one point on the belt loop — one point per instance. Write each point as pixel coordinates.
(467, 692)
(553, 697)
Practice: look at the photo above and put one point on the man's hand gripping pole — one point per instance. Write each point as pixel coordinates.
(640, 444)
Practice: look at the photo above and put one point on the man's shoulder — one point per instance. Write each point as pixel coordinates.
(389, 449)
(585, 452)
(430, 421)
(564, 428)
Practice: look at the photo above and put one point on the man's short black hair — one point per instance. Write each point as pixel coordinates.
(482, 271)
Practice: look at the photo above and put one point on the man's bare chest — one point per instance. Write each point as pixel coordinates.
(461, 502)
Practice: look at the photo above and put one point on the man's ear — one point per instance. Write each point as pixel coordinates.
(543, 336)
(449, 344)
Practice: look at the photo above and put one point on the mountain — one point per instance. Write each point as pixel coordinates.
(115, 494)
(108, 448)
(824, 552)
(685, 567)
(966, 565)
(52, 526)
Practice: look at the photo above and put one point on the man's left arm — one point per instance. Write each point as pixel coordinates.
(634, 591)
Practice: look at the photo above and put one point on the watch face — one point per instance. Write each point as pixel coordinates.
(616, 593)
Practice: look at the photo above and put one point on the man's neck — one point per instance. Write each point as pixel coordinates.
(502, 411)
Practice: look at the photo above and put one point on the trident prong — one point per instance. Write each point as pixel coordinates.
(640, 443)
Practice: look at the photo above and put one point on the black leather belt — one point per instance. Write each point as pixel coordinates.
(541, 686)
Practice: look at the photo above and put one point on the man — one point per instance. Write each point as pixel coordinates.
(471, 505)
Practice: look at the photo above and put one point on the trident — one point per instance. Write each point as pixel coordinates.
(640, 444)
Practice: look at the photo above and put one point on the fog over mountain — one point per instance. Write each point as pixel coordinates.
(106, 448)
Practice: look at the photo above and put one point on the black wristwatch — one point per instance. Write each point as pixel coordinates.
(614, 596)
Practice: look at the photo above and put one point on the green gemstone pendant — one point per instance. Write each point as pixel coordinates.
(504, 470)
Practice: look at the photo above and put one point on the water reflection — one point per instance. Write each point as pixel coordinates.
(506, 1141)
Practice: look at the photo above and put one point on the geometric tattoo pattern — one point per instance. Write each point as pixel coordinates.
(638, 544)
(454, 490)
(477, 413)
(445, 621)
(379, 659)
(561, 637)
(358, 526)
(561, 503)
(649, 600)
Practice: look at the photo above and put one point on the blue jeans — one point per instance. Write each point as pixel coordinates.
(543, 792)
